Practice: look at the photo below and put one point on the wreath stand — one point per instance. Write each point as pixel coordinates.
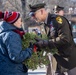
(50, 70)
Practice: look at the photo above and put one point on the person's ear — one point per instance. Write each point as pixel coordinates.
(42, 11)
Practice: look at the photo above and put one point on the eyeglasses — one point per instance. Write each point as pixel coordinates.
(32, 14)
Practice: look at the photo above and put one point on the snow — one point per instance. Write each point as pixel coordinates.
(38, 71)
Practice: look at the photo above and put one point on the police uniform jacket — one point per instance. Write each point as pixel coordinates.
(60, 36)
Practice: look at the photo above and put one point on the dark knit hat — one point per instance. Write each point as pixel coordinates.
(10, 17)
(1, 14)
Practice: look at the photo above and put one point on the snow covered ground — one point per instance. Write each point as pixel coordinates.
(38, 71)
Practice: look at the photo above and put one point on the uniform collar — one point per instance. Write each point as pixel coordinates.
(46, 19)
(49, 17)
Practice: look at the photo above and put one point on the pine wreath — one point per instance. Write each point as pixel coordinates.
(38, 58)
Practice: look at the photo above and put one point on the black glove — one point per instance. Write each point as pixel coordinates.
(31, 45)
(25, 69)
(38, 39)
(41, 43)
(36, 48)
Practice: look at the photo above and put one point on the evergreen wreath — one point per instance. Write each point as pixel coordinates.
(38, 58)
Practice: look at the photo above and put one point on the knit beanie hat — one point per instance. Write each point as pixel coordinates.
(10, 17)
(1, 15)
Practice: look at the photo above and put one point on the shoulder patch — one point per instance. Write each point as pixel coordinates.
(59, 20)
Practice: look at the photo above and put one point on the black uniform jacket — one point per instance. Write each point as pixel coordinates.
(60, 36)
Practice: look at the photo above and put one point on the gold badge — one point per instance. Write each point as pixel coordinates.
(59, 20)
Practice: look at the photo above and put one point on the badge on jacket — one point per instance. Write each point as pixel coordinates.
(59, 20)
(52, 29)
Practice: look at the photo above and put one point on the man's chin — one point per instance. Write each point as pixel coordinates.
(38, 21)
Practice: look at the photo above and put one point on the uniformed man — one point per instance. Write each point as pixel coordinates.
(58, 10)
(60, 35)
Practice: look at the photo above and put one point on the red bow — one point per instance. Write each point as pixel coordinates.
(35, 48)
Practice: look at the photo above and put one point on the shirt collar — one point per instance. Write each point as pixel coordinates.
(46, 20)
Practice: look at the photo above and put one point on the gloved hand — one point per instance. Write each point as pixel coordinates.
(36, 48)
(38, 39)
(25, 69)
(41, 43)
(31, 45)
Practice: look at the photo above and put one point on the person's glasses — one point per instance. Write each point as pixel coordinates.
(32, 14)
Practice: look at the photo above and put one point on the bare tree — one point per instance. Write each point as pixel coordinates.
(24, 13)
(16, 4)
(1, 4)
(23, 6)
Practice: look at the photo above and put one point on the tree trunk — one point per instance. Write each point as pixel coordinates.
(24, 13)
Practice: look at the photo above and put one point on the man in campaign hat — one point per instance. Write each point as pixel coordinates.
(59, 33)
(59, 10)
(37, 12)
